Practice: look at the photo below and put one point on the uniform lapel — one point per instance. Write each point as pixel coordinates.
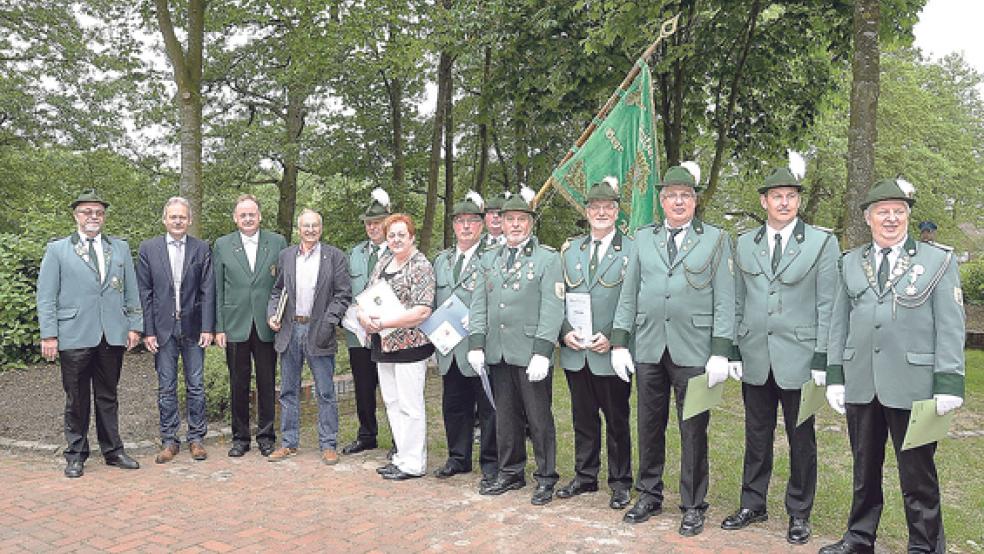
(166, 258)
(660, 237)
(584, 262)
(690, 241)
(107, 261)
(239, 252)
(81, 248)
(762, 255)
(262, 253)
(793, 247)
(610, 254)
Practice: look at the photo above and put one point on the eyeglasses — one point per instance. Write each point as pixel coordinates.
(602, 207)
(92, 213)
(463, 220)
(678, 196)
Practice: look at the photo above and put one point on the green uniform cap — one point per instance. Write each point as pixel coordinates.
(890, 189)
(680, 175)
(379, 207)
(88, 196)
(781, 177)
(603, 190)
(495, 203)
(517, 204)
(467, 206)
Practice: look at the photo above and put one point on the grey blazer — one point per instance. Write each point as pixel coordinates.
(332, 296)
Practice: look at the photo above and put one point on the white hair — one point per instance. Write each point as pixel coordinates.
(305, 212)
(176, 200)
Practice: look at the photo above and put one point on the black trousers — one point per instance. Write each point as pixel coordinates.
(94, 371)
(239, 356)
(460, 399)
(761, 403)
(608, 395)
(868, 427)
(655, 381)
(521, 404)
(366, 381)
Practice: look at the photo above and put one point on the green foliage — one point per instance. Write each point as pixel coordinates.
(972, 281)
(19, 263)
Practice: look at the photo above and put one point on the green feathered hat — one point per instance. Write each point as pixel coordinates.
(686, 174)
(606, 189)
(890, 189)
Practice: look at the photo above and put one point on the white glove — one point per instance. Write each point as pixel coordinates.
(622, 363)
(819, 377)
(538, 368)
(717, 370)
(835, 397)
(947, 403)
(735, 370)
(476, 358)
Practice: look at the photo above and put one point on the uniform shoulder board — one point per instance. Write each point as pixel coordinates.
(749, 231)
(824, 229)
(565, 246)
(628, 236)
(943, 247)
(647, 226)
(548, 247)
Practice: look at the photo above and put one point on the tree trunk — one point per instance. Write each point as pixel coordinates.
(294, 124)
(448, 162)
(483, 125)
(862, 132)
(434, 166)
(396, 118)
(187, 68)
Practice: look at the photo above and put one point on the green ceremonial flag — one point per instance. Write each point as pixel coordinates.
(622, 145)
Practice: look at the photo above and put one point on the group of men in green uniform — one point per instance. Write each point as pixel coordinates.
(776, 308)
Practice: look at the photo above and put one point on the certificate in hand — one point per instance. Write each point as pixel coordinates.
(811, 398)
(925, 425)
(379, 300)
(446, 326)
(579, 314)
(699, 398)
(351, 322)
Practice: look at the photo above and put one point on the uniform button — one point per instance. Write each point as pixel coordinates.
(877, 350)
(502, 326)
(669, 274)
(502, 306)
(667, 319)
(505, 286)
(877, 325)
(770, 312)
(770, 332)
(881, 301)
(667, 295)
(772, 292)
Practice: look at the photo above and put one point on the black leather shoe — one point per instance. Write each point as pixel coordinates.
(542, 495)
(619, 500)
(644, 509)
(844, 547)
(447, 470)
(503, 484)
(400, 475)
(238, 450)
(74, 469)
(486, 482)
(388, 468)
(575, 488)
(743, 518)
(358, 445)
(799, 530)
(122, 461)
(692, 523)
(267, 448)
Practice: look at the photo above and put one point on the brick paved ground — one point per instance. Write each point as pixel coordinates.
(249, 504)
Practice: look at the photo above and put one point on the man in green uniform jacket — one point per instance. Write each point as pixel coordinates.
(595, 267)
(896, 336)
(679, 301)
(245, 267)
(515, 318)
(785, 287)
(457, 271)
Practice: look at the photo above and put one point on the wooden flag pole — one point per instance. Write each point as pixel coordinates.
(666, 29)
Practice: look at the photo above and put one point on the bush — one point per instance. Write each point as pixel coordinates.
(972, 281)
(20, 260)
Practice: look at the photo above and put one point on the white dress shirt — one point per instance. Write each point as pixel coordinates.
(893, 256)
(176, 257)
(306, 269)
(250, 244)
(100, 255)
(467, 254)
(606, 241)
(785, 233)
(678, 239)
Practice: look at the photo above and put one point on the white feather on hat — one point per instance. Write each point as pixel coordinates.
(797, 165)
(612, 182)
(476, 198)
(906, 187)
(380, 195)
(527, 194)
(506, 194)
(694, 170)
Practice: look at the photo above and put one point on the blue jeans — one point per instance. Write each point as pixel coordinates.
(166, 361)
(323, 369)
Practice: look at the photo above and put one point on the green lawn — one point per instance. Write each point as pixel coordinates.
(960, 462)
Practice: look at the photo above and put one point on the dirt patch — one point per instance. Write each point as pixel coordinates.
(975, 317)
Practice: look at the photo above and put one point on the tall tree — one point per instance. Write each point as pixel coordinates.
(187, 64)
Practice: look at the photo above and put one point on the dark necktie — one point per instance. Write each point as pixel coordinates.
(93, 257)
(593, 264)
(776, 252)
(883, 269)
(671, 247)
(512, 257)
(373, 257)
(456, 272)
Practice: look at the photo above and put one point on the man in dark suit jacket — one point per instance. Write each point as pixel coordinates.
(245, 263)
(177, 293)
(315, 280)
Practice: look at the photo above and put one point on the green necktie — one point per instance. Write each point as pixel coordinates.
(93, 257)
(883, 269)
(593, 264)
(456, 272)
(671, 247)
(512, 257)
(373, 257)
(776, 252)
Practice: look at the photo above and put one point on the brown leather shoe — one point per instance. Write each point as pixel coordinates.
(167, 454)
(281, 454)
(329, 457)
(197, 451)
